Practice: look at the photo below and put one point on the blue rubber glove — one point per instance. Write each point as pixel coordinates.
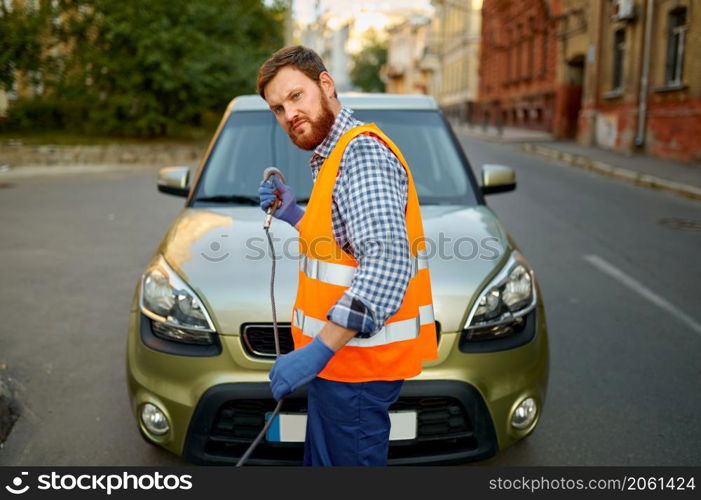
(289, 211)
(298, 367)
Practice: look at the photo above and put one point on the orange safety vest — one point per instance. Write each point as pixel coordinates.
(325, 272)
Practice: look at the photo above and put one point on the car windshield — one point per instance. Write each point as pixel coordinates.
(252, 141)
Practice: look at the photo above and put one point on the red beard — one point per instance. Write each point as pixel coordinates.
(320, 128)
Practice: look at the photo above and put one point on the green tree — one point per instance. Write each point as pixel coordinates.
(367, 63)
(20, 46)
(145, 68)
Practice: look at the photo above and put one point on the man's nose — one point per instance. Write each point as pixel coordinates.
(290, 114)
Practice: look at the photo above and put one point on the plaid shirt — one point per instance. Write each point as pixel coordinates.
(369, 201)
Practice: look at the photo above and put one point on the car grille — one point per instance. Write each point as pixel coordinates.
(443, 426)
(258, 339)
(437, 418)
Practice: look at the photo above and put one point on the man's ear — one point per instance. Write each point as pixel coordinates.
(327, 84)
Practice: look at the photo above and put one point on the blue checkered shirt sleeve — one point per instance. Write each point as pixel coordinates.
(370, 199)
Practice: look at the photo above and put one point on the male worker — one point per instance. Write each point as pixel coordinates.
(363, 317)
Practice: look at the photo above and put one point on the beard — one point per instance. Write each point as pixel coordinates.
(320, 128)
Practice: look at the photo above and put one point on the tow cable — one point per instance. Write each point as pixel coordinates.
(270, 171)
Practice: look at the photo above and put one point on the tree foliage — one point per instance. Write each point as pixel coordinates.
(20, 48)
(365, 73)
(139, 68)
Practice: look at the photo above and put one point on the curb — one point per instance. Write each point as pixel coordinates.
(31, 171)
(473, 134)
(631, 176)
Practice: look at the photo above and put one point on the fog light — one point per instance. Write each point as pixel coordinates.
(154, 419)
(525, 413)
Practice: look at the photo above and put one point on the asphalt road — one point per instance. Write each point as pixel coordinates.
(619, 283)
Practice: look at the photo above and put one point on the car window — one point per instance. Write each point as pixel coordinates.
(252, 141)
(436, 165)
(241, 153)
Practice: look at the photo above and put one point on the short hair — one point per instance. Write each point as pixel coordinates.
(302, 58)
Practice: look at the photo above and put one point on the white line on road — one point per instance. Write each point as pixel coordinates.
(641, 289)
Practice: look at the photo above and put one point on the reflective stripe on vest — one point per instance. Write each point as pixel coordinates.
(342, 275)
(392, 332)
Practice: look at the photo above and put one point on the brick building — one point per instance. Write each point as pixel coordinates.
(622, 109)
(573, 44)
(520, 79)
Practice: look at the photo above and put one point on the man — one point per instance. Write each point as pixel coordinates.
(363, 317)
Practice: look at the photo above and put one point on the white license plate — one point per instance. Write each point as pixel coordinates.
(291, 427)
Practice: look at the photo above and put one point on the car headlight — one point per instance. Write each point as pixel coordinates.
(504, 301)
(177, 314)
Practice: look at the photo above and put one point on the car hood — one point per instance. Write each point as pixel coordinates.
(222, 253)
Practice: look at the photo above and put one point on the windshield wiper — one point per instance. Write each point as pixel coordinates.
(233, 198)
(238, 198)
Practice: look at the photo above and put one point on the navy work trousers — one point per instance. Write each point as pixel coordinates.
(348, 423)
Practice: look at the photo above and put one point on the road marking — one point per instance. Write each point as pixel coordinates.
(641, 289)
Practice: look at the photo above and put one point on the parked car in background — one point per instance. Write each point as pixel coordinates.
(200, 342)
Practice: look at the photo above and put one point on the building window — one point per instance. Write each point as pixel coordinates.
(531, 47)
(518, 44)
(619, 48)
(676, 38)
(509, 56)
(544, 59)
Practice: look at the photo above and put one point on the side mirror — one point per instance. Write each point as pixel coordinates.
(174, 180)
(497, 179)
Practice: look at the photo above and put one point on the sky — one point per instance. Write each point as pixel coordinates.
(304, 9)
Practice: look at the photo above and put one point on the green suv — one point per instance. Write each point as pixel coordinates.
(200, 341)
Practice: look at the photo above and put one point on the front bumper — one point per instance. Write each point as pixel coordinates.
(454, 425)
(481, 389)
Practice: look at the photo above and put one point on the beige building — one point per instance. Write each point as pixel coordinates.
(439, 56)
(405, 72)
(455, 39)
(329, 36)
(338, 34)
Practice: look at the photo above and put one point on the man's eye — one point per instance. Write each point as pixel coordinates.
(296, 95)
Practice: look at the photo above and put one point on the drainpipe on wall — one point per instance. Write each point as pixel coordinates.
(645, 77)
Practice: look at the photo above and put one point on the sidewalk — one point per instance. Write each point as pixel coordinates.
(680, 178)
(676, 177)
(506, 134)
